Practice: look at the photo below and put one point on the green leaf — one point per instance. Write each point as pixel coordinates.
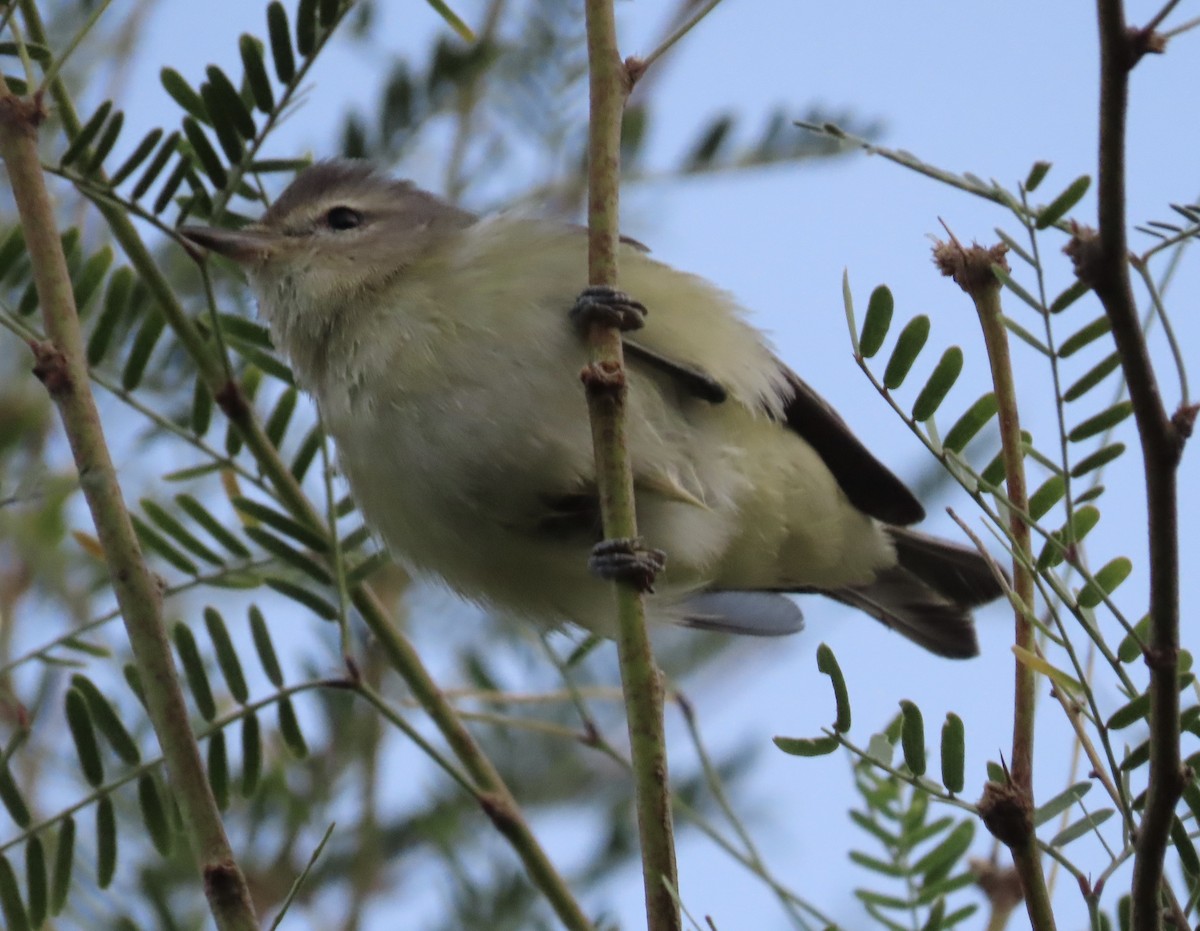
(90, 277)
(912, 738)
(1084, 336)
(1098, 459)
(10, 796)
(1105, 582)
(154, 813)
(15, 916)
(193, 670)
(169, 524)
(227, 658)
(139, 354)
(36, 882)
(807, 746)
(1081, 524)
(229, 103)
(152, 540)
(12, 249)
(869, 825)
(266, 651)
(1026, 337)
(1035, 176)
(1130, 713)
(215, 529)
(289, 729)
(828, 664)
(305, 536)
(281, 42)
(877, 866)
(224, 125)
(104, 144)
(157, 164)
(945, 374)
(84, 736)
(1081, 827)
(1096, 374)
(941, 859)
(202, 408)
(1131, 644)
(970, 423)
(327, 12)
(1069, 297)
(140, 153)
(181, 92)
(281, 416)
(1136, 757)
(1058, 208)
(86, 134)
(306, 27)
(251, 754)
(106, 842)
(1101, 422)
(218, 769)
(876, 323)
(953, 753)
(1009, 282)
(308, 450)
(256, 73)
(1060, 803)
(105, 718)
(206, 155)
(1183, 846)
(64, 860)
(1048, 494)
(286, 553)
(909, 344)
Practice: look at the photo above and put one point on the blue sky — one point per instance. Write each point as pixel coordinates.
(985, 88)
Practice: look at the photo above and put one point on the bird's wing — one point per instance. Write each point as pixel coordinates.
(870, 485)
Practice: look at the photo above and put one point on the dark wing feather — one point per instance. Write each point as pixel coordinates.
(868, 483)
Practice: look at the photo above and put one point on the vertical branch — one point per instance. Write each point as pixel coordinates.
(1102, 261)
(60, 364)
(609, 85)
(1007, 810)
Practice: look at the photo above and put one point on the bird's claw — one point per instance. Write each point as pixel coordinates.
(608, 307)
(628, 560)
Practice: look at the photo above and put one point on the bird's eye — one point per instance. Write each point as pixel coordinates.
(343, 218)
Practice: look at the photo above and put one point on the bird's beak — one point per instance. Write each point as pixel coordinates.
(244, 246)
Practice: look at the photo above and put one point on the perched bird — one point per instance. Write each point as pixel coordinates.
(442, 354)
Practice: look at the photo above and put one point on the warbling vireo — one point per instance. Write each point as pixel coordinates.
(440, 351)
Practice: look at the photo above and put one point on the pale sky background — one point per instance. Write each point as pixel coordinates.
(985, 88)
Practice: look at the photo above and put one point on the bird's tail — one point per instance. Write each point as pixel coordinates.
(928, 595)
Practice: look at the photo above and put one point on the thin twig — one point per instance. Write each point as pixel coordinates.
(1102, 261)
(609, 86)
(972, 270)
(62, 365)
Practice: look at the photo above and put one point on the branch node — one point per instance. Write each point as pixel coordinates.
(232, 402)
(1184, 420)
(1007, 813)
(50, 367)
(22, 115)
(605, 378)
(970, 267)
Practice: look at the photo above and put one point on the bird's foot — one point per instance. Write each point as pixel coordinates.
(628, 560)
(608, 307)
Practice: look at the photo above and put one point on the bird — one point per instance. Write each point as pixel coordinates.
(444, 349)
